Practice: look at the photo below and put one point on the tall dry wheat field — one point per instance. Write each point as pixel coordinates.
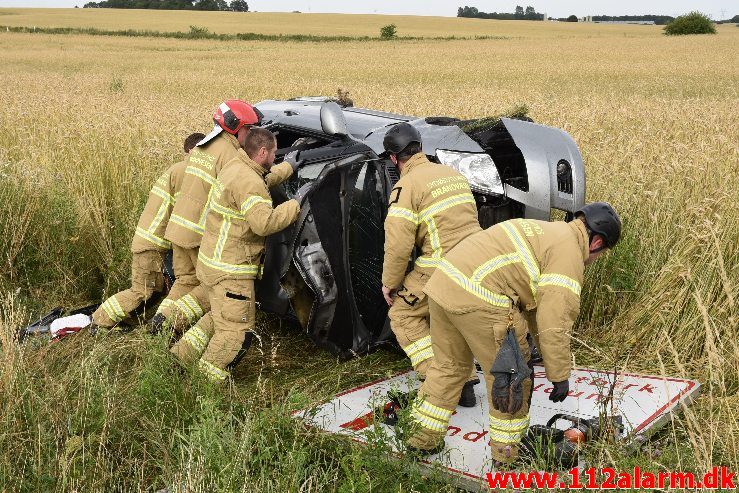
(86, 124)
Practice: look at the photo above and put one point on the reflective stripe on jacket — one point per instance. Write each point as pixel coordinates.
(431, 207)
(153, 221)
(240, 217)
(537, 264)
(187, 224)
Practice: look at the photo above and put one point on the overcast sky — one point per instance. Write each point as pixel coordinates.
(555, 8)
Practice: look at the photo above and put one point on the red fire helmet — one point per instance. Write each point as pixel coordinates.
(233, 114)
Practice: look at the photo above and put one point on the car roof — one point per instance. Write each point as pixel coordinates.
(366, 125)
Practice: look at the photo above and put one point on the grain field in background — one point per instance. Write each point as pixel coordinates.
(87, 123)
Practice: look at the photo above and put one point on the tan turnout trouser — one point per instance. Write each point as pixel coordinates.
(188, 299)
(146, 279)
(192, 345)
(409, 321)
(457, 337)
(233, 314)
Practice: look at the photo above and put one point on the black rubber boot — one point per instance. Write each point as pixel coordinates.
(93, 328)
(156, 324)
(420, 453)
(467, 398)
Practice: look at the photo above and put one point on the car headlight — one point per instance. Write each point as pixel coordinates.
(479, 169)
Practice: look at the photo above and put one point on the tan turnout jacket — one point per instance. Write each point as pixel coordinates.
(187, 224)
(240, 217)
(431, 207)
(155, 217)
(536, 264)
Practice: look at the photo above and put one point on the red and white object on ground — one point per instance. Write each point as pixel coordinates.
(64, 326)
(644, 402)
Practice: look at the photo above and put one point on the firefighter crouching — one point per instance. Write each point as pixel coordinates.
(240, 217)
(432, 208)
(148, 247)
(233, 119)
(517, 269)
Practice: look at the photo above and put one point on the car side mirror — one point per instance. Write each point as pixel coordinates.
(332, 119)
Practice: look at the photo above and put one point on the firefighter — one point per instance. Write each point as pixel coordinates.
(233, 119)
(432, 208)
(230, 258)
(517, 274)
(148, 247)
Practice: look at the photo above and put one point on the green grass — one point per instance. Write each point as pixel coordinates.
(116, 413)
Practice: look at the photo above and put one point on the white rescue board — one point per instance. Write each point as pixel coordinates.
(644, 402)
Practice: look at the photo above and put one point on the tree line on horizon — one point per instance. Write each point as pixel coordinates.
(221, 5)
(529, 13)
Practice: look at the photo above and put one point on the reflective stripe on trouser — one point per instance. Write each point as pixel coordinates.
(409, 320)
(176, 292)
(192, 302)
(233, 311)
(456, 338)
(192, 345)
(146, 279)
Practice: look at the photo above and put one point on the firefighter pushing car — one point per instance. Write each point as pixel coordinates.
(230, 258)
(517, 275)
(432, 208)
(148, 247)
(233, 119)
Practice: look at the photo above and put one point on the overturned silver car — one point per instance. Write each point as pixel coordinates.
(325, 270)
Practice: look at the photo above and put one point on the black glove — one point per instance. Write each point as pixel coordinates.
(292, 160)
(302, 192)
(560, 391)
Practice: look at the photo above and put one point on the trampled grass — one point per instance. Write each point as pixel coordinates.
(86, 124)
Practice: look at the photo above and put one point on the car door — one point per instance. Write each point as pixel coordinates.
(334, 278)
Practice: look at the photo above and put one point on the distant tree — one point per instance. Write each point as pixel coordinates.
(389, 32)
(692, 23)
(735, 19)
(239, 6)
(572, 18)
(210, 5)
(529, 13)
